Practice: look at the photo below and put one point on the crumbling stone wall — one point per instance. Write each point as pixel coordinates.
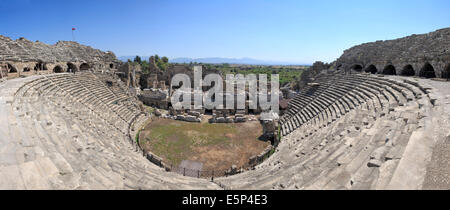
(419, 55)
(24, 57)
(130, 73)
(155, 98)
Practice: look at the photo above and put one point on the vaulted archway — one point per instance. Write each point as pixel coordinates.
(389, 70)
(58, 69)
(26, 69)
(357, 68)
(84, 67)
(408, 70)
(40, 66)
(427, 71)
(11, 69)
(71, 67)
(371, 69)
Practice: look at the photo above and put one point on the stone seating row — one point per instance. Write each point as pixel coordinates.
(54, 141)
(62, 84)
(358, 150)
(347, 93)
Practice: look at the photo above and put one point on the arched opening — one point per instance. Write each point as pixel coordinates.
(40, 66)
(389, 70)
(427, 71)
(84, 67)
(71, 67)
(446, 73)
(356, 67)
(408, 70)
(26, 69)
(111, 66)
(371, 69)
(11, 69)
(57, 69)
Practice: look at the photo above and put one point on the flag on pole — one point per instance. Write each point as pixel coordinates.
(73, 36)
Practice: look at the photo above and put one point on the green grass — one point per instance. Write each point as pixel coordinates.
(270, 153)
(174, 141)
(137, 137)
(150, 109)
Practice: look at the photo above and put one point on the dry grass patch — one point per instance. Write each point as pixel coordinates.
(217, 146)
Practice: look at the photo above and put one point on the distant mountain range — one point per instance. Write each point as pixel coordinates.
(218, 60)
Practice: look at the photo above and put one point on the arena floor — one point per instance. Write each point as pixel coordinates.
(216, 146)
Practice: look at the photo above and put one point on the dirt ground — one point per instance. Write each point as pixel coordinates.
(217, 146)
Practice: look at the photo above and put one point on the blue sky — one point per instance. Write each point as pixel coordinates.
(275, 30)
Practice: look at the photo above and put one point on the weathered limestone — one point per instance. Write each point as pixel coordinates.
(336, 138)
(191, 118)
(240, 119)
(220, 120)
(319, 154)
(25, 58)
(194, 113)
(220, 117)
(60, 135)
(343, 131)
(425, 55)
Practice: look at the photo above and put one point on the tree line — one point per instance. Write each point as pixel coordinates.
(161, 62)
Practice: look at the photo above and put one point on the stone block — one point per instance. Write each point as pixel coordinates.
(220, 120)
(374, 163)
(191, 118)
(239, 115)
(194, 113)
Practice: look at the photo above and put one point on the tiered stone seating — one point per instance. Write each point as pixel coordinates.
(117, 88)
(57, 134)
(340, 95)
(355, 132)
(356, 138)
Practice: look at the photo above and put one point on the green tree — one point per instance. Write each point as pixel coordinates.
(145, 66)
(165, 59)
(163, 66)
(138, 59)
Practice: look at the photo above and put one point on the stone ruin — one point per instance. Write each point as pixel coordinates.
(157, 98)
(227, 116)
(24, 58)
(270, 123)
(425, 55)
(353, 131)
(160, 81)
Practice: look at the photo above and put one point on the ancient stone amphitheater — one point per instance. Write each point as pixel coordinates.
(350, 130)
